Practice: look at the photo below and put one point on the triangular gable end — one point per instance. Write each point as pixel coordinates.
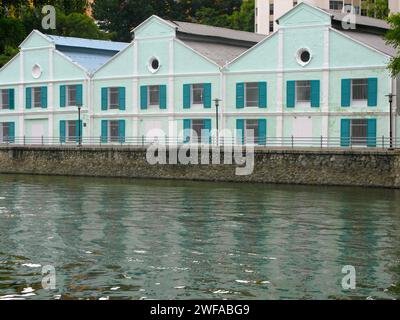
(188, 60)
(154, 27)
(346, 52)
(254, 58)
(36, 39)
(305, 14)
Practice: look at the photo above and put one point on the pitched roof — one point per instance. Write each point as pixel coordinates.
(221, 54)
(203, 30)
(360, 20)
(220, 45)
(87, 43)
(89, 54)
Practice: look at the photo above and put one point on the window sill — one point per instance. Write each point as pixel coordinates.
(359, 103)
(303, 104)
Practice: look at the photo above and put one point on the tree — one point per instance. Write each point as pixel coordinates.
(122, 16)
(12, 32)
(244, 18)
(376, 8)
(393, 38)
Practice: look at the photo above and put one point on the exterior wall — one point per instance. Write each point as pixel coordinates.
(56, 70)
(263, 17)
(273, 61)
(334, 57)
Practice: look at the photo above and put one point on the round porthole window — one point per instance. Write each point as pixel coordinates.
(36, 71)
(154, 65)
(303, 56)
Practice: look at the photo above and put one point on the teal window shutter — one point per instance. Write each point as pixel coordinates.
(143, 97)
(104, 131)
(79, 94)
(104, 99)
(187, 124)
(240, 95)
(207, 131)
(315, 93)
(262, 132)
(121, 131)
(44, 97)
(11, 132)
(262, 94)
(186, 96)
(345, 133)
(207, 95)
(346, 92)
(372, 92)
(11, 99)
(63, 96)
(163, 97)
(240, 131)
(371, 133)
(290, 94)
(122, 98)
(79, 125)
(28, 98)
(63, 129)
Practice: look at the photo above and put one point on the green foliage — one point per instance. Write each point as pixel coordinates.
(376, 8)
(18, 19)
(393, 38)
(122, 16)
(12, 32)
(8, 54)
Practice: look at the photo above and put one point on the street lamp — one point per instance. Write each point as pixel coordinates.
(79, 126)
(390, 96)
(217, 101)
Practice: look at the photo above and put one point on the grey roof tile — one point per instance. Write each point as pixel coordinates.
(361, 20)
(219, 53)
(217, 32)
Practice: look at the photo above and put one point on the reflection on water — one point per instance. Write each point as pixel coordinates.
(129, 239)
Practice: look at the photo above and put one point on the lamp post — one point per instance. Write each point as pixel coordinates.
(79, 126)
(390, 96)
(217, 101)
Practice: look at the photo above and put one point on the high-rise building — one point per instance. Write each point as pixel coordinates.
(268, 11)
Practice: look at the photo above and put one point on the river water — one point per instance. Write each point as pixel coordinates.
(147, 239)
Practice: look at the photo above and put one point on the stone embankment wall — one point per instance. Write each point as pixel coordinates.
(369, 168)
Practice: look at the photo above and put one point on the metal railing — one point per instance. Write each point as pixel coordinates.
(291, 142)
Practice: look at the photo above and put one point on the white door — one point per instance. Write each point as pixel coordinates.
(303, 131)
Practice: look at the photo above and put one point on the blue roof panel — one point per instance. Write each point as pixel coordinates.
(87, 43)
(89, 54)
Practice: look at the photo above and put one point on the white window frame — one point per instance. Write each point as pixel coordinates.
(68, 136)
(115, 91)
(359, 102)
(302, 102)
(245, 94)
(36, 104)
(358, 144)
(192, 94)
(3, 125)
(149, 96)
(255, 132)
(4, 105)
(68, 93)
(113, 139)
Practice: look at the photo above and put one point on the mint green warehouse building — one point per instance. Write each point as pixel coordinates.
(311, 82)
